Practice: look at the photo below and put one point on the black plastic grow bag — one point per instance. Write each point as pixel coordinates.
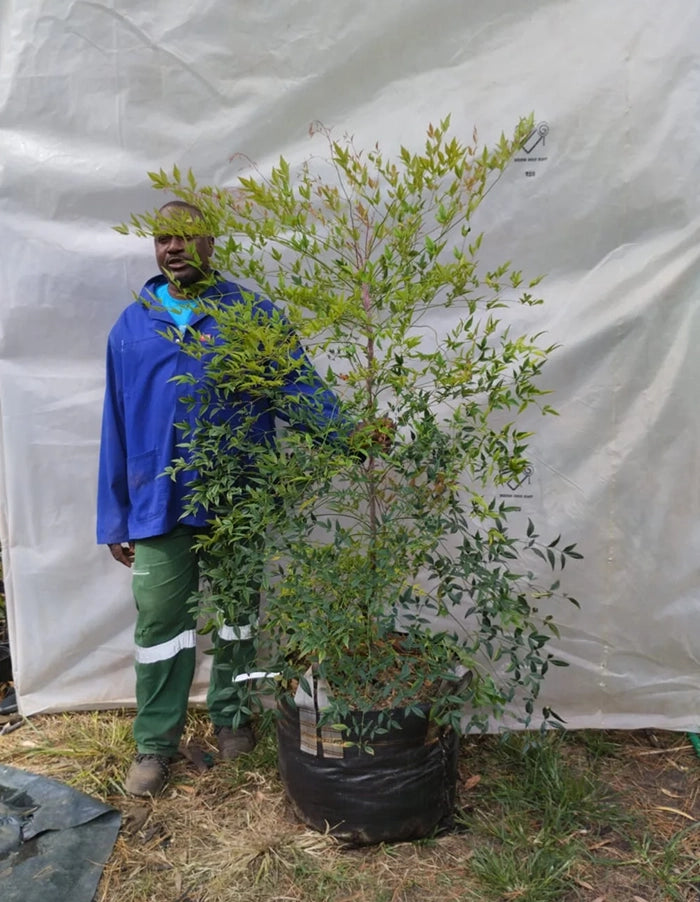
(405, 790)
(5, 663)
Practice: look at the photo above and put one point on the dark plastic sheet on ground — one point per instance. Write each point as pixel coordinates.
(54, 840)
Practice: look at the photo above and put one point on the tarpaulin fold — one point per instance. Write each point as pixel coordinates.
(54, 840)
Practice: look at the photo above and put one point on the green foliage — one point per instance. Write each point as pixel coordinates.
(519, 870)
(668, 866)
(386, 521)
(536, 808)
(539, 782)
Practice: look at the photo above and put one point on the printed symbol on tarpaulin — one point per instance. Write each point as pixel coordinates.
(525, 476)
(536, 137)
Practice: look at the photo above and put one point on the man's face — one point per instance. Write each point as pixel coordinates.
(182, 255)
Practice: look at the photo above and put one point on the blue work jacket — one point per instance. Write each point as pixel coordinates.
(142, 405)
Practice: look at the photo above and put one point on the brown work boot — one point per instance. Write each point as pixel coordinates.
(233, 743)
(147, 775)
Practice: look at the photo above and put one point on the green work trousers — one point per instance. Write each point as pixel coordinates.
(165, 575)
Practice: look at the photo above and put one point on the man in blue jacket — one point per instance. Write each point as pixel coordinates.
(140, 513)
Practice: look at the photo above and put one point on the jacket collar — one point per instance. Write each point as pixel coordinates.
(155, 309)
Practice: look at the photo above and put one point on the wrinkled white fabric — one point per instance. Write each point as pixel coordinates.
(604, 198)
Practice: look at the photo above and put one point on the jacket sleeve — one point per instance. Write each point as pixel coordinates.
(310, 405)
(304, 401)
(112, 485)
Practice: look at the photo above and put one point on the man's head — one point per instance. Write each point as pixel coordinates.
(183, 251)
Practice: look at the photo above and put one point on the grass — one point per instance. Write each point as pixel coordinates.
(594, 816)
(539, 814)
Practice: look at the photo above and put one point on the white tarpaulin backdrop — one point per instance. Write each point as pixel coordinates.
(603, 198)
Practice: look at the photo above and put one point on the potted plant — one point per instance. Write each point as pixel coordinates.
(399, 601)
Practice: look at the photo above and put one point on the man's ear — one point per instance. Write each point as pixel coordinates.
(211, 242)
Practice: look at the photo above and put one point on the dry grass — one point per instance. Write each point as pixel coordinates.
(226, 834)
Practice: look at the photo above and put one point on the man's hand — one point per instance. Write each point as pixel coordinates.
(122, 553)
